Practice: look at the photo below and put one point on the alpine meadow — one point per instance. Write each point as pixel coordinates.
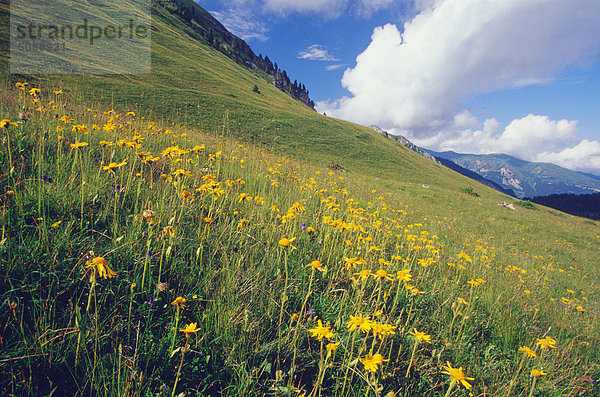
(196, 231)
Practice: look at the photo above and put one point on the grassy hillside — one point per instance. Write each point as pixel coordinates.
(213, 208)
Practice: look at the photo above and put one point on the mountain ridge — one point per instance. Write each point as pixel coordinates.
(526, 179)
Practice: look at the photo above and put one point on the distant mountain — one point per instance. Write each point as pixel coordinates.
(447, 163)
(526, 179)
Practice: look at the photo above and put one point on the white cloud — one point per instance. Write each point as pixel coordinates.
(532, 138)
(584, 156)
(242, 23)
(327, 8)
(462, 48)
(368, 7)
(416, 82)
(334, 67)
(324, 8)
(317, 52)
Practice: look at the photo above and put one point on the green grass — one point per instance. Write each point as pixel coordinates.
(66, 330)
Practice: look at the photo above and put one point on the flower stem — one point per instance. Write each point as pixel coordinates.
(412, 356)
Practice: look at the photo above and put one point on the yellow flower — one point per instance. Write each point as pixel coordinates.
(372, 361)
(457, 375)
(381, 274)
(186, 194)
(364, 274)
(99, 263)
(466, 257)
(56, 224)
(112, 165)
(359, 322)
(34, 91)
(179, 302)
(208, 219)
(284, 242)
(316, 265)
(6, 122)
(547, 342)
(530, 353)
(536, 372)
(404, 276)
(321, 331)
(420, 336)
(180, 171)
(331, 347)
(77, 145)
(382, 330)
(244, 197)
(190, 329)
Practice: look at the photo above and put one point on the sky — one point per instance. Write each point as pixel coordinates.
(520, 77)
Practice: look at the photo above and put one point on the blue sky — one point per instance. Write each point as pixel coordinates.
(481, 76)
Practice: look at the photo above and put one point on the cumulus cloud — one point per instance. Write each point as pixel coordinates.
(417, 81)
(317, 52)
(532, 138)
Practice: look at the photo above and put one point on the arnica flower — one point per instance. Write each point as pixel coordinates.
(364, 274)
(284, 242)
(331, 347)
(404, 276)
(34, 91)
(536, 373)
(321, 331)
(244, 197)
(381, 274)
(99, 263)
(420, 336)
(179, 302)
(5, 123)
(190, 329)
(546, 343)
(316, 265)
(113, 165)
(382, 330)
(372, 361)
(530, 353)
(466, 257)
(77, 145)
(457, 375)
(359, 322)
(179, 172)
